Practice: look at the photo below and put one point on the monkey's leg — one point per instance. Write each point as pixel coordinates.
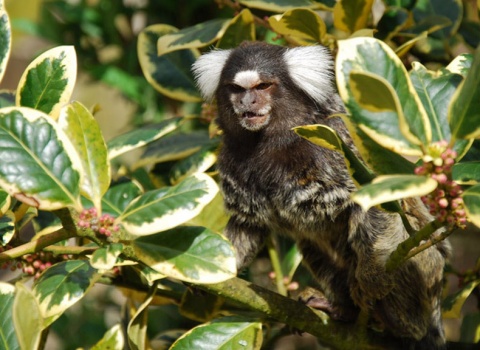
(332, 276)
(246, 238)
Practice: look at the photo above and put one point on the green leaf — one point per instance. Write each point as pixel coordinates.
(213, 216)
(201, 307)
(464, 111)
(304, 25)
(8, 338)
(435, 90)
(169, 73)
(281, 5)
(168, 207)
(471, 198)
(105, 258)
(393, 20)
(326, 137)
(470, 329)
(119, 196)
(240, 29)
(392, 131)
(48, 81)
(137, 327)
(5, 39)
(7, 227)
(198, 162)
(200, 35)
(7, 98)
(141, 136)
(435, 9)
(291, 261)
(83, 131)
(466, 173)
(173, 147)
(61, 286)
(112, 340)
(352, 15)
(39, 165)
(27, 318)
(388, 188)
(460, 64)
(222, 334)
(452, 305)
(190, 253)
(374, 93)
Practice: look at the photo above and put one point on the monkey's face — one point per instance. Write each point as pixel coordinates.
(251, 99)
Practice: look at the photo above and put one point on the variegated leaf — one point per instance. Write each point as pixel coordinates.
(8, 338)
(471, 197)
(27, 318)
(241, 28)
(47, 83)
(5, 39)
(105, 258)
(351, 15)
(282, 5)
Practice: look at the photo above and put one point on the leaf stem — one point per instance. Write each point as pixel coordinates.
(277, 268)
(403, 251)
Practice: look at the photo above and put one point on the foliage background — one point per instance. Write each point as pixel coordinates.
(110, 72)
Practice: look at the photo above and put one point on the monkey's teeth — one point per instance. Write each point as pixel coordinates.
(251, 115)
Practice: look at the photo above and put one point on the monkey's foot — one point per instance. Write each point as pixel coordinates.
(317, 300)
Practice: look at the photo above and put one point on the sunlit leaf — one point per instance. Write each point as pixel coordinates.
(105, 258)
(61, 286)
(199, 35)
(119, 196)
(222, 334)
(112, 340)
(281, 5)
(168, 207)
(48, 81)
(5, 39)
(140, 137)
(304, 25)
(170, 73)
(241, 28)
(39, 165)
(460, 64)
(471, 198)
(198, 162)
(453, 304)
(84, 132)
(464, 111)
(137, 327)
(466, 173)
(8, 338)
(351, 15)
(7, 227)
(388, 188)
(27, 318)
(189, 253)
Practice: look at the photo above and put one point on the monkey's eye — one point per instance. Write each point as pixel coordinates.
(236, 88)
(263, 86)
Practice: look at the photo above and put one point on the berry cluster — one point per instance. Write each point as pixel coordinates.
(445, 203)
(33, 264)
(103, 225)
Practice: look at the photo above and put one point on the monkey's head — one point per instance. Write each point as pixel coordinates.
(258, 84)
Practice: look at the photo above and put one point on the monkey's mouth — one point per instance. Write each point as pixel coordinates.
(254, 121)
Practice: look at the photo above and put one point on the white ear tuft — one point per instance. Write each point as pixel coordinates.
(311, 68)
(207, 70)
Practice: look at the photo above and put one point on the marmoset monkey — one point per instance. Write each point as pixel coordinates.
(274, 180)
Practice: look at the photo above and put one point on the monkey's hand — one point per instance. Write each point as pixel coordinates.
(317, 300)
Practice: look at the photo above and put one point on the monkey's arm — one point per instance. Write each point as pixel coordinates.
(246, 238)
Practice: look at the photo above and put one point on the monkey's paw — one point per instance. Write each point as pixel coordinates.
(317, 300)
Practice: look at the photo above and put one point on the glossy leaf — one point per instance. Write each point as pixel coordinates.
(388, 188)
(371, 56)
(326, 137)
(39, 165)
(222, 334)
(170, 73)
(374, 93)
(112, 340)
(48, 81)
(5, 201)
(392, 21)
(199, 35)
(351, 15)
(140, 137)
(198, 162)
(61, 286)
(168, 207)
(7, 98)
(304, 25)
(466, 173)
(105, 258)
(8, 338)
(5, 39)
(27, 318)
(452, 305)
(464, 111)
(189, 253)
(173, 147)
(281, 5)
(460, 64)
(471, 198)
(84, 132)
(213, 216)
(137, 327)
(119, 196)
(431, 11)
(7, 227)
(241, 28)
